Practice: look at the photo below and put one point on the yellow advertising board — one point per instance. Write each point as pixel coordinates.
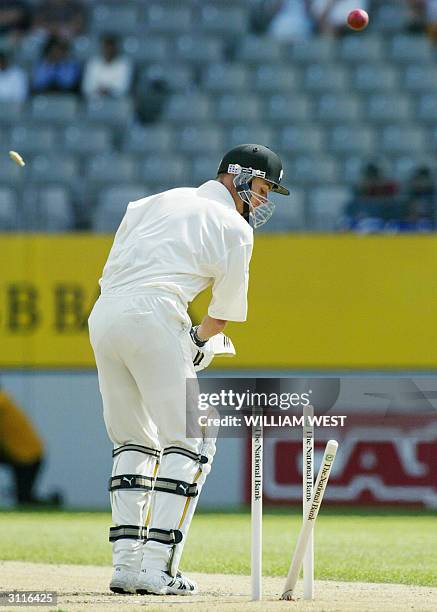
(315, 301)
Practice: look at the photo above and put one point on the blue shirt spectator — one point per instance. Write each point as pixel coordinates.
(57, 71)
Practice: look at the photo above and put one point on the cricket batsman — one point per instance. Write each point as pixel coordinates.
(169, 247)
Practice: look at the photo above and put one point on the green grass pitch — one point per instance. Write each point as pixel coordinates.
(351, 545)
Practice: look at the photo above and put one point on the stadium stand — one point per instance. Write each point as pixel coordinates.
(327, 104)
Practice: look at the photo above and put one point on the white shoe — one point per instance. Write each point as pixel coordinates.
(158, 582)
(123, 581)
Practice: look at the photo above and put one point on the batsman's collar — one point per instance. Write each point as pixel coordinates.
(214, 190)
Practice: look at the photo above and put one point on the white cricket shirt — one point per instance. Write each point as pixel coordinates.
(183, 240)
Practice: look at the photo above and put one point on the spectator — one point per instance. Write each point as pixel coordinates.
(109, 74)
(152, 94)
(22, 450)
(375, 202)
(332, 15)
(13, 81)
(293, 22)
(421, 186)
(15, 18)
(57, 71)
(416, 16)
(418, 217)
(62, 18)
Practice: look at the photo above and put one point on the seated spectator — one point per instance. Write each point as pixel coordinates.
(151, 97)
(375, 202)
(15, 18)
(416, 16)
(331, 15)
(109, 74)
(13, 81)
(64, 18)
(421, 186)
(293, 22)
(418, 217)
(22, 450)
(57, 71)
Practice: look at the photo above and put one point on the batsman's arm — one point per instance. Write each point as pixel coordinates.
(210, 327)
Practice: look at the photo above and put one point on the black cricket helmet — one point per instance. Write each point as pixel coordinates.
(258, 161)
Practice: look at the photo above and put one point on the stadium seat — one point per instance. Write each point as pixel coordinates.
(324, 77)
(256, 50)
(282, 109)
(168, 170)
(198, 50)
(175, 19)
(316, 50)
(226, 78)
(352, 139)
(29, 140)
(231, 108)
(409, 49)
(147, 49)
(115, 18)
(361, 49)
(193, 139)
(289, 214)
(85, 47)
(276, 79)
(240, 134)
(111, 167)
(112, 204)
(301, 139)
(427, 108)
(326, 206)
(187, 108)
(204, 168)
(390, 17)
(87, 139)
(55, 210)
(109, 111)
(313, 169)
(150, 139)
(9, 218)
(403, 138)
(339, 107)
(10, 113)
(351, 168)
(11, 175)
(420, 79)
(227, 21)
(388, 107)
(370, 77)
(53, 168)
(178, 77)
(404, 165)
(54, 108)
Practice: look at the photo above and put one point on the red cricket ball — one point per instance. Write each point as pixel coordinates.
(358, 19)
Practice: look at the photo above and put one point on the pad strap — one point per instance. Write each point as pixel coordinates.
(186, 453)
(137, 448)
(177, 487)
(127, 532)
(171, 537)
(130, 481)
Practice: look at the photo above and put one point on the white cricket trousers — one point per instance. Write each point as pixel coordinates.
(143, 355)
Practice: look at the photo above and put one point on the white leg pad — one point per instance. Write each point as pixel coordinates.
(172, 510)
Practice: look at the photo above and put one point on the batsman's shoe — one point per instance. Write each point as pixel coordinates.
(157, 582)
(124, 581)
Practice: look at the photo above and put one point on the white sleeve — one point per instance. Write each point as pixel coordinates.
(231, 281)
